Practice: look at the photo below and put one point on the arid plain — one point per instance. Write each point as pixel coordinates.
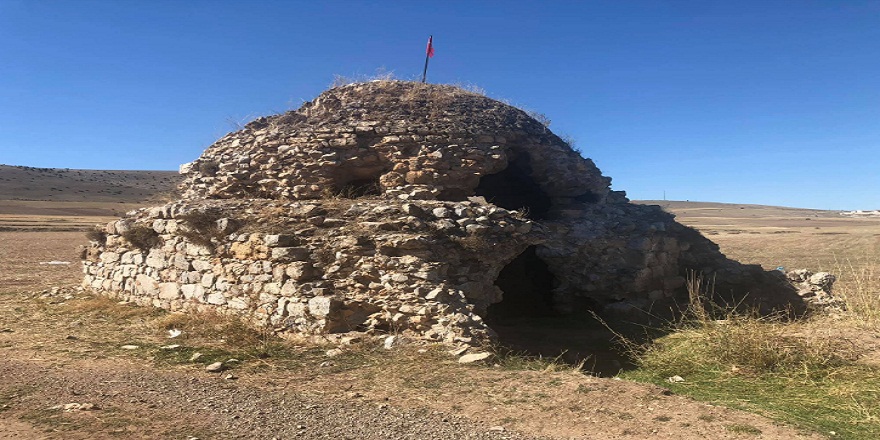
(63, 347)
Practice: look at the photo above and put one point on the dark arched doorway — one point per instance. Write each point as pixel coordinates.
(528, 323)
(514, 188)
(527, 284)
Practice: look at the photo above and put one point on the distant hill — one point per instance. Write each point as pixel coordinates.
(71, 185)
(715, 209)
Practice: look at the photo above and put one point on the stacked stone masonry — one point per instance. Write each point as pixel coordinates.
(395, 207)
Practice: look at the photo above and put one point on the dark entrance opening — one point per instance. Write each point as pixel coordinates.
(354, 183)
(356, 189)
(527, 284)
(527, 323)
(514, 188)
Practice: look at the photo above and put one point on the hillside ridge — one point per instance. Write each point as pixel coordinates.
(27, 183)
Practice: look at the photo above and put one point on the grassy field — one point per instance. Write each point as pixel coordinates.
(822, 373)
(84, 333)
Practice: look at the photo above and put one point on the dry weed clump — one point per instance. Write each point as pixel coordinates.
(721, 339)
(437, 99)
(202, 227)
(142, 236)
(509, 359)
(109, 309)
(212, 328)
(96, 235)
(380, 75)
(209, 168)
(859, 287)
(212, 325)
(270, 220)
(355, 190)
(743, 344)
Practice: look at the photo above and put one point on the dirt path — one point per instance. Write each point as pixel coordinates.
(136, 402)
(15, 430)
(52, 353)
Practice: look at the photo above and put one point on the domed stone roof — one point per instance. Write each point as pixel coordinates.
(391, 138)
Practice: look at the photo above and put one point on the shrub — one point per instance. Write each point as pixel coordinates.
(142, 236)
(540, 117)
(202, 227)
(96, 235)
(359, 188)
(569, 140)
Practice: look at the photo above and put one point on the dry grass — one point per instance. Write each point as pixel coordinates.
(743, 344)
(209, 168)
(96, 235)
(109, 309)
(797, 238)
(142, 236)
(213, 327)
(799, 372)
(859, 287)
(709, 337)
(201, 227)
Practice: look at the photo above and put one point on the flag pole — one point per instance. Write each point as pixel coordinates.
(427, 57)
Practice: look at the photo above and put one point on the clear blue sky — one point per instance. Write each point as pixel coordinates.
(771, 102)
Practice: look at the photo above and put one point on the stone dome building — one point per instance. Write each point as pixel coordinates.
(398, 206)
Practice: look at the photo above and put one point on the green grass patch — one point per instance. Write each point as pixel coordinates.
(766, 365)
(846, 401)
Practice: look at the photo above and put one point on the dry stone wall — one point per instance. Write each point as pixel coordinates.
(403, 207)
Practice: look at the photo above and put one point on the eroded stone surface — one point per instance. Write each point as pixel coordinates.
(409, 208)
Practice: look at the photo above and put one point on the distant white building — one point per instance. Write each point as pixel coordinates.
(860, 213)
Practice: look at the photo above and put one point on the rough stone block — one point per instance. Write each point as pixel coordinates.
(156, 259)
(323, 306)
(191, 291)
(169, 291)
(226, 225)
(146, 286)
(159, 226)
(181, 262)
(216, 298)
(296, 309)
(201, 265)
(238, 303)
(277, 240)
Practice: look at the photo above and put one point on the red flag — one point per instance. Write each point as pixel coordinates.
(430, 50)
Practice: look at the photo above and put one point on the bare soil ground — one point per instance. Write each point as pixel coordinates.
(57, 350)
(775, 236)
